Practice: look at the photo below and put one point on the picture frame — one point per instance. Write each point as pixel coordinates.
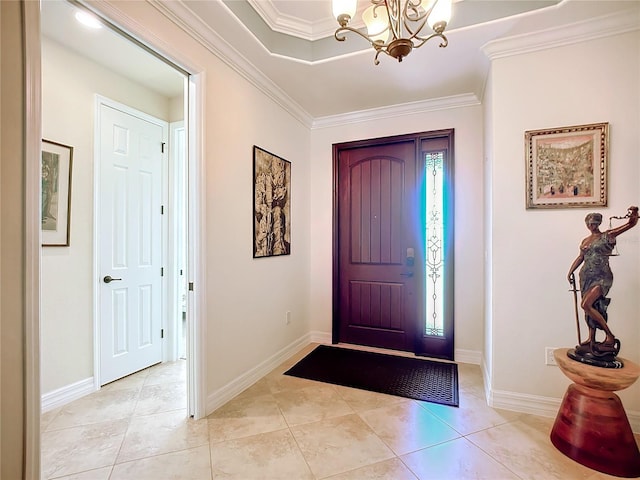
(271, 204)
(56, 166)
(567, 166)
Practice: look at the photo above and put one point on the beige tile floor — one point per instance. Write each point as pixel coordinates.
(288, 428)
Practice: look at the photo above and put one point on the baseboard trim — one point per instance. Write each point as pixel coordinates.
(473, 357)
(524, 403)
(539, 405)
(224, 394)
(320, 337)
(62, 396)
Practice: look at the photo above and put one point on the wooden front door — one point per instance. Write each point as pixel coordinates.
(376, 235)
(380, 240)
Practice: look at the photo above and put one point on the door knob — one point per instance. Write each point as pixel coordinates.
(109, 279)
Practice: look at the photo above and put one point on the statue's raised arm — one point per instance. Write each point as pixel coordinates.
(632, 215)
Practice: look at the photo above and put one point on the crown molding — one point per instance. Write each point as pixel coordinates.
(187, 20)
(191, 23)
(604, 26)
(412, 108)
(290, 25)
(180, 14)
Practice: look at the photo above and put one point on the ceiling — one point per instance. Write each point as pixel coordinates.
(108, 48)
(287, 46)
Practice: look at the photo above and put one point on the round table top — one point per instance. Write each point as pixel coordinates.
(609, 379)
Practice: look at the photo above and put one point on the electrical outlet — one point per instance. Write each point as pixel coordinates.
(549, 359)
(287, 318)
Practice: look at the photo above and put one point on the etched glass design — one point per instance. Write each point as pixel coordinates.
(435, 243)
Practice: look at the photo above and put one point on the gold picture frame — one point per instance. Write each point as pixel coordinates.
(567, 166)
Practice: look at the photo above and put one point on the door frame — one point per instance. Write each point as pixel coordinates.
(197, 305)
(32, 234)
(166, 256)
(418, 138)
(176, 219)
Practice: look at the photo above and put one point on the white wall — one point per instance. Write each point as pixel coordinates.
(69, 85)
(247, 298)
(467, 123)
(176, 109)
(531, 308)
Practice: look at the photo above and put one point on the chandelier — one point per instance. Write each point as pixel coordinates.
(394, 27)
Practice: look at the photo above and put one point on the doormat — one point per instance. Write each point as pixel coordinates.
(426, 380)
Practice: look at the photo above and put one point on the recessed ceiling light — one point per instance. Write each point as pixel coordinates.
(88, 20)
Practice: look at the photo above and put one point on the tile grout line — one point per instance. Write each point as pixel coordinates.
(124, 436)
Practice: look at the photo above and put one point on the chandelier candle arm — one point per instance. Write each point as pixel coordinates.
(394, 26)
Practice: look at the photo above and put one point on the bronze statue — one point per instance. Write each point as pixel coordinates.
(596, 279)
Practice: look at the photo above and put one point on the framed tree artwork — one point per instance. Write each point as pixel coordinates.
(56, 193)
(567, 166)
(271, 204)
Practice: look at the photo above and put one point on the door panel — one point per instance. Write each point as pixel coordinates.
(130, 232)
(119, 302)
(376, 288)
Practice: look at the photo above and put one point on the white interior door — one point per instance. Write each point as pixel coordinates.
(130, 239)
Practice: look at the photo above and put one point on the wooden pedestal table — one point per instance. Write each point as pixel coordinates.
(592, 427)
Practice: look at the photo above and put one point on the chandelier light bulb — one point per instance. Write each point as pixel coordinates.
(344, 10)
(377, 22)
(440, 14)
(394, 27)
(426, 4)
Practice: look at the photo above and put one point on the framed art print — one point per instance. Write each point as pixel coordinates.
(271, 205)
(56, 193)
(567, 166)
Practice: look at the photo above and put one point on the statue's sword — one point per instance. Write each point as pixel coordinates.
(574, 289)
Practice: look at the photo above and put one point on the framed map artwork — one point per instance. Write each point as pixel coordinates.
(567, 166)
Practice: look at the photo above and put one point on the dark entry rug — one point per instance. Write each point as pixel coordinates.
(426, 380)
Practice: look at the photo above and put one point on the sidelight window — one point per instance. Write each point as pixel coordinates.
(434, 243)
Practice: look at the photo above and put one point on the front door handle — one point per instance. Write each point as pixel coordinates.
(407, 274)
(109, 279)
(411, 256)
